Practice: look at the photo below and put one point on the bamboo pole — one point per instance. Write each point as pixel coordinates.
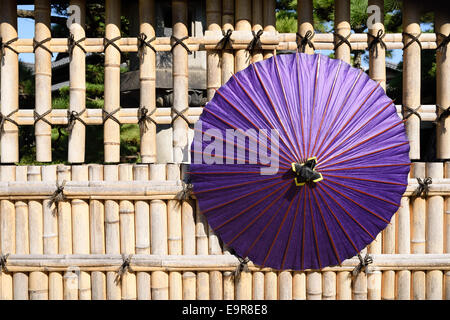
(258, 285)
(112, 233)
(434, 233)
(201, 230)
(97, 234)
(180, 82)
(158, 223)
(227, 63)
(388, 277)
(447, 234)
(270, 286)
(344, 285)
(257, 24)
(228, 280)
(77, 87)
(269, 22)
(442, 25)
(403, 244)
(43, 80)
(299, 286)
(243, 16)
(216, 277)
(377, 56)
(9, 93)
(213, 23)
(411, 73)
(305, 20)
(147, 73)
(374, 278)
(112, 82)
(285, 281)
(189, 247)
(329, 285)
(142, 210)
(342, 28)
(313, 285)
(20, 279)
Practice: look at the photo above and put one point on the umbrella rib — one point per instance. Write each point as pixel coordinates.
(234, 107)
(364, 179)
(330, 238)
(274, 109)
(235, 185)
(314, 229)
(358, 204)
(363, 155)
(326, 107)
(313, 106)
(253, 205)
(365, 193)
(260, 111)
(340, 109)
(300, 101)
(357, 130)
(367, 167)
(348, 213)
(287, 105)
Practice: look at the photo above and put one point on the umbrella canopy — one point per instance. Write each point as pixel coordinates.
(299, 161)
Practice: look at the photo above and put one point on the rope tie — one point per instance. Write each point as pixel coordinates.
(423, 188)
(186, 192)
(226, 39)
(305, 40)
(411, 111)
(143, 117)
(39, 117)
(72, 117)
(40, 44)
(444, 115)
(442, 47)
(256, 41)
(6, 45)
(378, 39)
(71, 44)
(413, 39)
(242, 266)
(181, 42)
(125, 266)
(111, 42)
(143, 44)
(180, 114)
(363, 263)
(342, 40)
(110, 115)
(57, 196)
(3, 261)
(4, 118)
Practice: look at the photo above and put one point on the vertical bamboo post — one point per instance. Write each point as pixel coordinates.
(403, 247)
(189, 247)
(257, 22)
(447, 234)
(285, 289)
(258, 285)
(216, 277)
(269, 21)
(442, 25)
(270, 286)
(418, 235)
(174, 233)
(344, 285)
(201, 230)
(20, 279)
(127, 234)
(112, 233)
(81, 227)
(180, 81)
(434, 233)
(374, 276)
(305, 20)
(43, 80)
(227, 64)
(77, 136)
(377, 56)
(147, 72)
(97, 234)
(158, 224)
(38, 280)
(360, 283)
(411, 74)
(313, 285)
(388, 277)
(142, 210)
(7, 232)
(9, 93)
(299, 286)
(213, 23)
(243, 16)
(112, 82)
(342, 27)
(228, 281)
(329, 285)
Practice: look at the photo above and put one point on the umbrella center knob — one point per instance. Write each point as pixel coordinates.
(304, 172)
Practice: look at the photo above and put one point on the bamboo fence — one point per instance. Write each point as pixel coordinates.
(120, 231)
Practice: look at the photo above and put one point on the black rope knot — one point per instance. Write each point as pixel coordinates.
(3, 261)
(38, 117)
(363, 263)
(187, 190)
(180, 114)
(256, 41)
(444, 115)
(112, 42)
(4, 118)
(413, 39)
(226, 39)
(242, 266)
(125, 266)
(143, 44)
(423, 187)
(378, 39)
(57, 196)
(342, 40)
(40, 44)
(181, 42)
(143, 117)
(408, 112)
(6, 45)
(442, 47)
(72, 117)
(305, 40)
(71, 44)
(110, 115)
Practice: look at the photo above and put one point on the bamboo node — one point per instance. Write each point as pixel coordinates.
(3, 262)
(143, 117)
(363, 263)
(378, 39)
(71, 44)
(305, 40)
(6, 45)
(342, 40)
(142, 44)
(442, 47)
(226, 39)
(180, 41)
(413, 39)
(126, 261)
(40, 44)
(423, 188)
(57, 196)
(4, 118)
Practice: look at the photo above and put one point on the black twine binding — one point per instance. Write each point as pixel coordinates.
(444, 115)
(442, 47)
(413, 39)
(305, 40)
(3, 261)
(408, 112)
(57, 196)
(110, 115)
(6, 45)
(143, 44)
(256, 41)
(242, 266)
(378, 39)
(180, 114)
(423, 188)
(342, 40)
(4, 118)
(143, 117)
(107, 42)
(71, 44)
(180, 41)
(363, 263)
(40, 44)
(226, 39)
(72, 117)
(38, 117)
(126, 261)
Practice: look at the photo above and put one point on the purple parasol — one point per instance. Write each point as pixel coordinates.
(299, 161)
